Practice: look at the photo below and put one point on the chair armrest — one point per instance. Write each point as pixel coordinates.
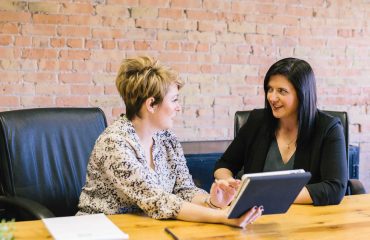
(355, 187)
(24, 209)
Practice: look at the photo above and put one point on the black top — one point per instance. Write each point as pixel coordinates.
(274, 160)
(324, 157)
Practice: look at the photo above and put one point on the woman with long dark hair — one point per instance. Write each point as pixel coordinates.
(290, 133)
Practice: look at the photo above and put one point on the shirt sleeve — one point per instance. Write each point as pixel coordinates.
(333, 170)
(184, 186)
(134, 181)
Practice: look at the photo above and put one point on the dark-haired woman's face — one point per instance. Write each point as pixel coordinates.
(282, 98)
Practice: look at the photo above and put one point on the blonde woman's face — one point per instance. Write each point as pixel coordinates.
(166, 111)
(282, 97)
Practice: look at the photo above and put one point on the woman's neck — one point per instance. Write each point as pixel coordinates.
(144, 131)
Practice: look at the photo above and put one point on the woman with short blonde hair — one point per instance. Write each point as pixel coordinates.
(138, 165)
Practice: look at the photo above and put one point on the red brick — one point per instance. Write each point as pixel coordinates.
(174, 57)
(92, 44)
(126, 45)
(107, 33)
(40, 77)
(206, 68)
(105, 101)
(18, 17)
(154, 3)
(6, 64)
(73, 31)
(38, 29)
(9, 28)
(13, 6)
(87, 90)
(286, 20)
(186, 3)
(141, 45)
(128, 3)
(49, 19)
(171, 35)
(201, 15)
(37, 101)
(75, 54)
(40, 42)
(186, 67)
(51, 89)
(9, 101)
(74, 43)
(126, 23)
(88, 66)
(77, 8)
(84, 20)
(15, 89)
(112, 10)
(204, 58)
(74, 77)
(6, 40)
(209, 26)
(109, 44)
(225, 5)
(57, 42)
(44, 7)
(188, 46)
(39, 53)
(151, 23)
(173, 46)
(243, 7)
(182, 25)
(234, 59)
(346, 33)
(22, 41)
(171, 13)
(110, 90)
(72, 101)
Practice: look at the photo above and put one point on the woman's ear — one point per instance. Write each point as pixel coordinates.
(149, 104)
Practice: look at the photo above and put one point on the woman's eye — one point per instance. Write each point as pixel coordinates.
(283, 91)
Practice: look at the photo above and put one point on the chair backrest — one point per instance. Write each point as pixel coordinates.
(241, 118)
(44, 154)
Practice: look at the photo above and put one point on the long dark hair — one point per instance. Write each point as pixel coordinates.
(300, 74)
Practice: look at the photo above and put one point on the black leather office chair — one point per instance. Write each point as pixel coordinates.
(43, 158)
(354, 185)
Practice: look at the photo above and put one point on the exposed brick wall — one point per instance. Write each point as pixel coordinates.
(66, 53)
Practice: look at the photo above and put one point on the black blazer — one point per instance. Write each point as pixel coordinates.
(325, 157)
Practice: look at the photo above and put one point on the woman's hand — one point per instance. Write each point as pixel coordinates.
(247, 218)
(223, 192)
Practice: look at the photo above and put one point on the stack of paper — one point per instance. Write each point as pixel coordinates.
(94, 227)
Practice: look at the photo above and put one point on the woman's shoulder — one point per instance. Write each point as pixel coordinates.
(325, 120)
(120, 130)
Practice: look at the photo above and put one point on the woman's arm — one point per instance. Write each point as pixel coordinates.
(303, 197)
(195, 213)
(333, 169)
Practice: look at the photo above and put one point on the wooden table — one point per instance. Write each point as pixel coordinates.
(349, 220)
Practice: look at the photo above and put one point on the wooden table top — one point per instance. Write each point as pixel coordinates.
(348, 220)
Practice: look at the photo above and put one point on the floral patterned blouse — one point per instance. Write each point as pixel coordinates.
(119, 179)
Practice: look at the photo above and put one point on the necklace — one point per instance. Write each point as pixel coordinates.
(288, 145)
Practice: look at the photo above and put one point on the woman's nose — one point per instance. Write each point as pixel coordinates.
(273, 96)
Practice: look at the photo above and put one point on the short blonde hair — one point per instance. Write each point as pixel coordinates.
(141, 78)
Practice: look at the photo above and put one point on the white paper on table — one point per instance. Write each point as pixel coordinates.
(94, 227)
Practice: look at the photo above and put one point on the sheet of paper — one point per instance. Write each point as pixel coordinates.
(94, 227)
